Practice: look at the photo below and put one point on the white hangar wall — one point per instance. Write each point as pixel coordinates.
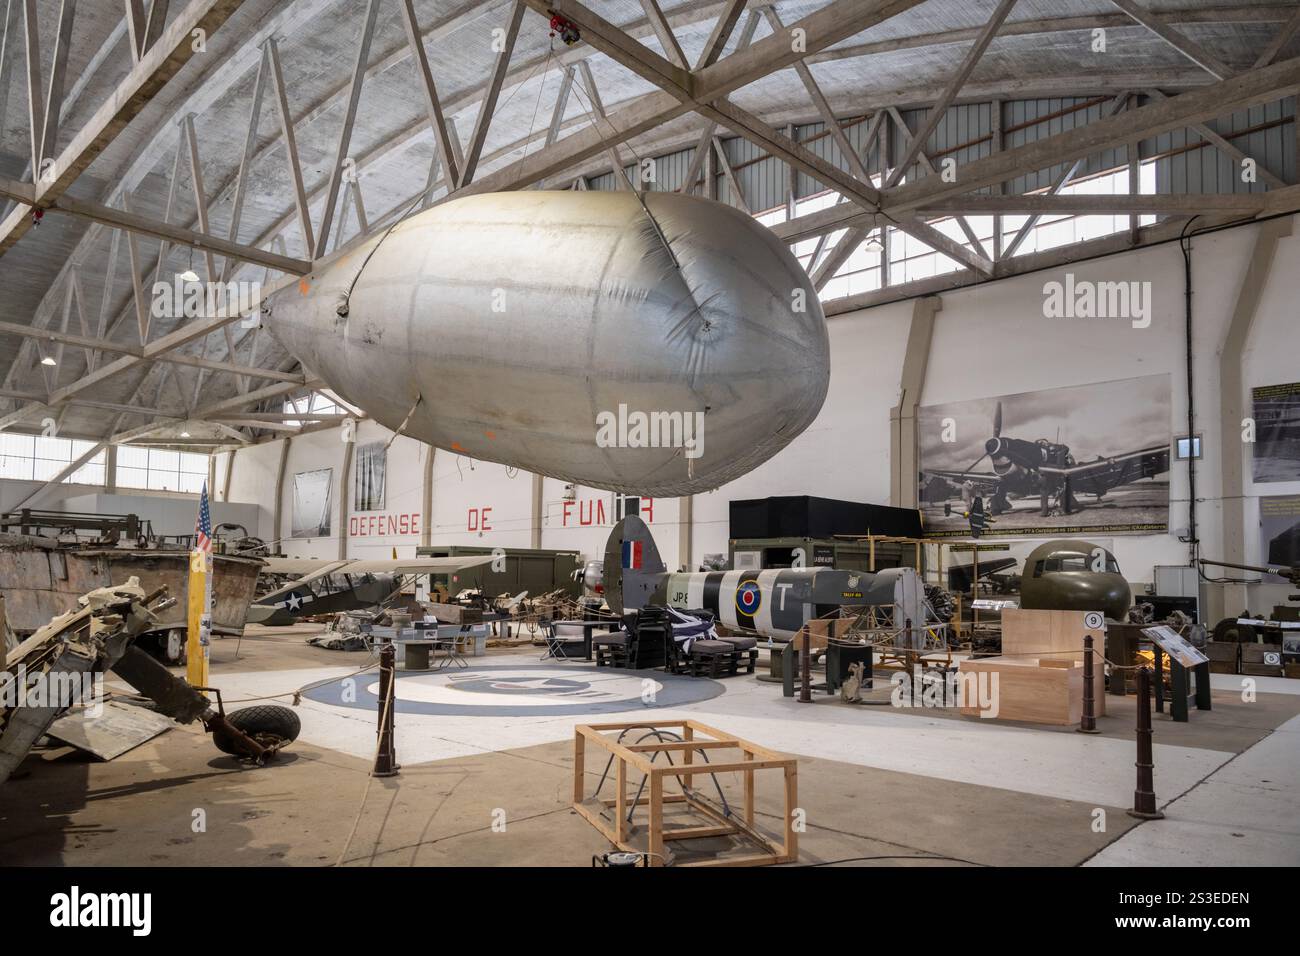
(845, 452)
(991, 339)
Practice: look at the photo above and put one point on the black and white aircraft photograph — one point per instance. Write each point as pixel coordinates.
(1276, 449)
(1051, 461)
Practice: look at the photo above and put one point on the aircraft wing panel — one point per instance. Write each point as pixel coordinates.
(298, 566)
(985, 483)
(419, 565)
(324, 568)
(1119, 470)
(319, 569)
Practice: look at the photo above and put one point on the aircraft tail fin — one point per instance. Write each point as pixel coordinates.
(632, 565)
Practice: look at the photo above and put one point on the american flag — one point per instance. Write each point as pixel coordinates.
(203, 527)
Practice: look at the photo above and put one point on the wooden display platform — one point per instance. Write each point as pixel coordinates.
(1040, 672)
(1044, 691)
(1055, 634)
(709, 820)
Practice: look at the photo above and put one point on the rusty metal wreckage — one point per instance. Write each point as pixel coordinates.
(98, 636)
(688, 104)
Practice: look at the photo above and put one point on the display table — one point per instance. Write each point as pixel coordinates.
(556, 642)
(421, 643)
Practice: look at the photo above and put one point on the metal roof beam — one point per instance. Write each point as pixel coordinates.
(1179, 41)
(155, 69)
(1154, 118)
(973, 55)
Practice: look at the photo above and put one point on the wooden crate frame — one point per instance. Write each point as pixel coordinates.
(753, 758)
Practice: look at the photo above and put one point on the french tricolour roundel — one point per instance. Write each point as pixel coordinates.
(748, 597)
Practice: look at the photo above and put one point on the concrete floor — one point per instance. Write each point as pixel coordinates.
(903, 787)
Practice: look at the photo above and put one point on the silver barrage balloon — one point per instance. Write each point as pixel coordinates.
(658, 349)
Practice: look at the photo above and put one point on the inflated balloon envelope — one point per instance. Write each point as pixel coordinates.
(654, 344)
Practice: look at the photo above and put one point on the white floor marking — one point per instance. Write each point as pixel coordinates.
(1094, 770)
(1263, 685)
(1247, 813)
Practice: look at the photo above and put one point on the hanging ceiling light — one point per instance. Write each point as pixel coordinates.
(873, 243)
(189, 275)
(49, 360)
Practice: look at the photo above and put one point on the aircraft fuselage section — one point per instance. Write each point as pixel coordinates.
(773, 602)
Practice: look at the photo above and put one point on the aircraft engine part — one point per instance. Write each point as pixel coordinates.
(561, 332)
(939, 603)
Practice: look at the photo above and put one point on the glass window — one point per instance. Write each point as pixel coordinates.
(162, 460)
(91, 473)
(42, 458)
(323, 403)
(911, 259)
(193, 464)
(132, 477)
(160, 469)
(17, 456)
(192, 484)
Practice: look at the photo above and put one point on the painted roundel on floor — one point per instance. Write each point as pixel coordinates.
(523, 689)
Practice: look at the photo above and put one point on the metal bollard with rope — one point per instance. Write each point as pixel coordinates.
(386, 752)
(1144, 797)
(1088, 719)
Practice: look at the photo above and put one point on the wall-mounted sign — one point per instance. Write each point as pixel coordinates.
(600, 512)
(384, 525)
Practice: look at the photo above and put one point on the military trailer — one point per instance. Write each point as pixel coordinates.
(535, 570)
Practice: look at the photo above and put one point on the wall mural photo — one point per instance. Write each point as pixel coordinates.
(1085, 459)
(1279, 533)
(371, 474)
(1276, 451)
(311, 504)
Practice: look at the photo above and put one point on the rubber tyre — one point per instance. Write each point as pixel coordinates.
(1230, 631)
(181, 645)
(260, 722)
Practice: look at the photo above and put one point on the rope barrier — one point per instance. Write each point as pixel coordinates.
(365, 793)
(297, 694)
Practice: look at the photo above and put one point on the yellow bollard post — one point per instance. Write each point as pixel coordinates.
(197, 644)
